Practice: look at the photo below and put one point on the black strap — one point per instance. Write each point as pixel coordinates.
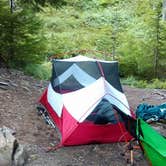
(140, 132)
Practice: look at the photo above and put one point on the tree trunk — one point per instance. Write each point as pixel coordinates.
(11, 6)
(11, 49)
(156, 49)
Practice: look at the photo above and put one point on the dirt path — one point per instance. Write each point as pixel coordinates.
(17, 111)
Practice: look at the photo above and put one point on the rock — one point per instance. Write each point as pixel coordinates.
(8, 130)
(11, 152)
(20, 156)
(33, 157)
(4, 161)
(2, 140)
(25, 83)
(6, 146)
(9, 138)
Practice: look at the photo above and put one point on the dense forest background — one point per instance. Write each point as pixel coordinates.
(132, 32)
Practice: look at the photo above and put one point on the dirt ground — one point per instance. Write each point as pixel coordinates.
(18, 112)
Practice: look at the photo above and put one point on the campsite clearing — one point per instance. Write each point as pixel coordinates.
(18, 112)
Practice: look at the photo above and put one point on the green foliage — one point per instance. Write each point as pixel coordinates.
(41, 71)
(126, 29)
(154, 84)
(134, 83)
(38, 4)
(21, 40)
(132, 31)
(144, 41)
(129, 81)
(84, 5)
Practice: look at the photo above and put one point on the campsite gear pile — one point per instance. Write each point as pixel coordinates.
(86, 103)
(151, 112)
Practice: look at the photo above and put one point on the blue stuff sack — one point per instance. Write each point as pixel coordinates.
(151, 112)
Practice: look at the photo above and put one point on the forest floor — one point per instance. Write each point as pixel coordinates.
(18, 112)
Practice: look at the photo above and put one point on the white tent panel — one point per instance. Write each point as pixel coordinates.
(117, 98)
(82, 102)
(81, 58)
(78, 58)
(55, 100)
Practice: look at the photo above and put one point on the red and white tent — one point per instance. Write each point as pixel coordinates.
(86, 102)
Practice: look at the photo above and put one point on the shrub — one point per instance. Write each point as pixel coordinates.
(158, 84)
(21, 39)
(40, 71)
(153, 84)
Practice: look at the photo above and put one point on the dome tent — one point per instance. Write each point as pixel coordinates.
(85, 101)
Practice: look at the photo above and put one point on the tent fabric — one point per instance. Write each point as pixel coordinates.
(81, 58)
(94, 97)
(85, 72)
(104, 113)
(86, 101)
(153, 143)
(75, 71)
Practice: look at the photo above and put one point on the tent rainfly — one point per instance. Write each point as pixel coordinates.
(85, 101)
